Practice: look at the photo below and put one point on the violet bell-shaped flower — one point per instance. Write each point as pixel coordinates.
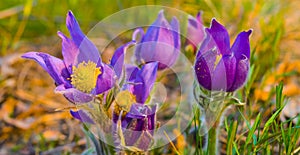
(81, 74)
(218, 66)
(137, 120)
(195, 32)
(160, 43)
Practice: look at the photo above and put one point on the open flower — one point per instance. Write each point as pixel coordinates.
(137, 119)
(219, 67)
(160, 43)
(81, 74)
(195, 31)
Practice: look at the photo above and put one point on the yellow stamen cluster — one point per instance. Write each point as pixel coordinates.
(123, 101)
(85, 76)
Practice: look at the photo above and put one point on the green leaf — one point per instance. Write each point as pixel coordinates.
(252, 130)
(231, 136)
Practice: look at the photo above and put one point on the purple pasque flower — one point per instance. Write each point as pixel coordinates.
(138, 120)
(160, 43)
(81, 74)
(195, 31)
(218, 66)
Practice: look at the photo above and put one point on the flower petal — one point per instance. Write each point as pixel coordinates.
(82, 116)
(73, 95)
(131, 71)
(207, 45)
(176, 32)
(145, 79)
(220, 36)
(117, 61)
(144, 116)
(106, 79)
(204, 68)
(69, 51)
(241, 74)
(88, 51)
(140, 111)
(241, 45)
(195, 31)
(223, 76)
(54, 66)
(153, 31)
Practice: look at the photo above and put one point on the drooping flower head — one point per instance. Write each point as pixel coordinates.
(160, 43)
(195, 31)
(138, 120)
(218, 66)
(81, 74)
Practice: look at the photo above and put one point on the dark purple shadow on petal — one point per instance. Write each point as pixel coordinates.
(131, 71)
(220, 36)
(204, 67)
(87, 50)
(241, 45)
(242, 70)
(176, 32)
(54, 66)
(145, 79)
(106, 79)
(82, 116)
(144, 122)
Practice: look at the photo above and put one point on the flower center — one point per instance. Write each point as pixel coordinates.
(85, 76)
(124, 100)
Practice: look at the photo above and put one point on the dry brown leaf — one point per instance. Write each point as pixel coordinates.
(8, 107)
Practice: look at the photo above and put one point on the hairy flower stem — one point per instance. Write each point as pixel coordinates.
(212, 147)
(213, 141)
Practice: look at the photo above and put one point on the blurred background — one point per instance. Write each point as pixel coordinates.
(31, 119)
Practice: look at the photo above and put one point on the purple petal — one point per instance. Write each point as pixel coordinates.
(82, 116)
(220, 36)
(199, 18)
(176, 32)
(241, 74)
(131, 71)
(130, 75)
(143, 115)
(69, 51)
(140, 111)
(204, 68)
(145, 79)
(151, 116)
(153, 31)
(54, 66)
(241, 46)
(223, 76)
(117, 60)
(74, 95)
(207, 45)
(88, 51)
(160, 43)
(195, 31)
(106, 79)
